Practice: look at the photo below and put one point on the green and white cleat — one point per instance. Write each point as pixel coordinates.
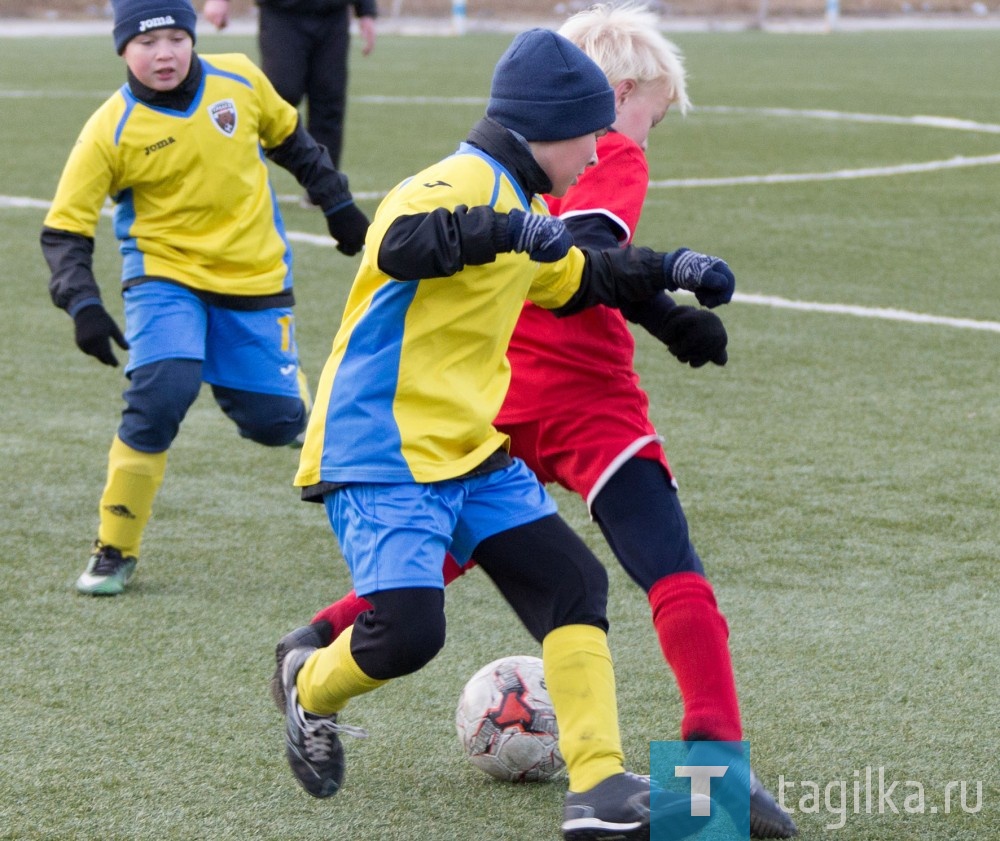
(107, 572)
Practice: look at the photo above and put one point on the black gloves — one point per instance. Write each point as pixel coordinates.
(94, 331)
(544, 238)
(694, 336)
(348, 225)
(709, 278)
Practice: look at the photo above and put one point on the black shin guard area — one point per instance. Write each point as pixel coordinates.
(642, 520)
(547, 575)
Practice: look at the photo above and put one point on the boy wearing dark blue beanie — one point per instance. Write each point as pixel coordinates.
(402, 451)
(135, 17)
(206, 271)
(545, 88)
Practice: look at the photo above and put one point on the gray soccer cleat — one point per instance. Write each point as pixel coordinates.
(767, 818)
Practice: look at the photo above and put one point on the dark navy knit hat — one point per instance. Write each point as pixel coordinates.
(133, 17)
(547, 88)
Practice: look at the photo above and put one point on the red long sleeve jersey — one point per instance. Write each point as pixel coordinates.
(587, 351)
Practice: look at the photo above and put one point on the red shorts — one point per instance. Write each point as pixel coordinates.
(582, 447)
(575, 411)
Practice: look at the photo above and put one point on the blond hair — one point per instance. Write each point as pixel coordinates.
(625, 42)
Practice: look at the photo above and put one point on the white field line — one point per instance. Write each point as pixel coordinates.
(740, 297)
(956, 162)
(776, 178)
(867, 312)
(949, 123)
(919, 120)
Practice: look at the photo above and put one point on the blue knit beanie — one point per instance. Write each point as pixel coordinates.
(133, 17)
(546, 88)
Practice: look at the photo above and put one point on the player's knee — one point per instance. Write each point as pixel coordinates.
(269, 419)
(156, 401)
(650, 540)
(402, 633)
(414, 647)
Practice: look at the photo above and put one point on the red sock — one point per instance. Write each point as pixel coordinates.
(694, 638)
(341, 614)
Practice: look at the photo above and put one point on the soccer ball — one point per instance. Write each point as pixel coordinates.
(506, 723)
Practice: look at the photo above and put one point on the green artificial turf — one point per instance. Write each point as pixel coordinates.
(839, 474)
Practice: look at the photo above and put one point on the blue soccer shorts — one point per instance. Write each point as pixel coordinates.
(395, 536)
(245, 350)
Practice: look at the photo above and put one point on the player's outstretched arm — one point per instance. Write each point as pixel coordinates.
(442, 242)
(619, 276)
(310, 163)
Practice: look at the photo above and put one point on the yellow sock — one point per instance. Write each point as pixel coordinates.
(127, 501)
(581, 682)
(331, 677)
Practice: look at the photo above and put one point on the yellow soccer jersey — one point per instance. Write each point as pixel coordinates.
(193, 201)
(418, 368)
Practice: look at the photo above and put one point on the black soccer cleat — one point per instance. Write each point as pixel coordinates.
(618, 809)
(318, 635)
(312, 742)
(767, 818)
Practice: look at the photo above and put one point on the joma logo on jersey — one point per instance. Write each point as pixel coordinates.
(160, 144)
(223, 114)
(154, 23)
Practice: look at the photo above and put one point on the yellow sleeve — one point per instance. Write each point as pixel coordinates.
(88, 174)
(555, 283)
(278, 117)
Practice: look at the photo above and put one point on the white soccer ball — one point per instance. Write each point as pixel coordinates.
(506, 723)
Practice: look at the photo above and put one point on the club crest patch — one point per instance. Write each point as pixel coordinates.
(223, 114)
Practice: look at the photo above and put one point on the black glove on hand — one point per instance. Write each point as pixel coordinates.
(94, 331)
(709, 278)
(544, 238)
(348, 225)
(694, 336)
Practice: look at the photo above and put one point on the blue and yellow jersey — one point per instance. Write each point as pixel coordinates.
(193, 201)
(418, 368)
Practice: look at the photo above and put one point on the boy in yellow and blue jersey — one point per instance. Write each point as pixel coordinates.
(401, 447)
(182, 149)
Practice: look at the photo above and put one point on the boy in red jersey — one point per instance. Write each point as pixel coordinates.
(575, 412)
